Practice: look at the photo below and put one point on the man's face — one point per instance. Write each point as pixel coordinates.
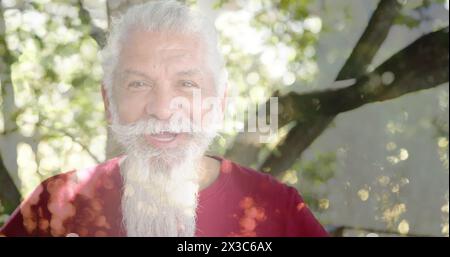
(161, 169)
(155, 68)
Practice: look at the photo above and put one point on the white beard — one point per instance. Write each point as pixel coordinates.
(158, 202)
(160, 186)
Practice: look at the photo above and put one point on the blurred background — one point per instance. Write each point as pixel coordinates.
(363, 102)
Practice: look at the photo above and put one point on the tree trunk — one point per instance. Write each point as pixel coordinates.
(9, 193)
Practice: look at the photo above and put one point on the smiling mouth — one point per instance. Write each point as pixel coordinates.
(164, 136)
(162, 140)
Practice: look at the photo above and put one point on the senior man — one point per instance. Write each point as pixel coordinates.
(161, 64)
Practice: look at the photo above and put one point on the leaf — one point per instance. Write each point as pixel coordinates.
(407, 20)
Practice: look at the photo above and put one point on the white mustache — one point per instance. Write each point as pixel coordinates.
(155, 126)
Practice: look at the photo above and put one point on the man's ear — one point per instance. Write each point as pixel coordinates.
(106, 104)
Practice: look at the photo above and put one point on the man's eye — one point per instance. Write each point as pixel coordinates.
(138, 85)
(188, 84)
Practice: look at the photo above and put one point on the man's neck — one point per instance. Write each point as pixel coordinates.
(209, 171)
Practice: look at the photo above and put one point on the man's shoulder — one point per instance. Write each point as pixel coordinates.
(257, 180)
(62, 196)
(66, 196)
(84, 176)
(72, 184)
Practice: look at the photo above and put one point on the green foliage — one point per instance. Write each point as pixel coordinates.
(413, 14)
(321, 169)
(266, 49)
(313, 177)
(56, 77)
(407, 20)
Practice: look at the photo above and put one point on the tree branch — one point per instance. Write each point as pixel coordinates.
(98, 34)
(421, 65)
(371, 40)
(245, 150)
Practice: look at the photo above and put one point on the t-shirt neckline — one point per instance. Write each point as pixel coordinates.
(218, 185)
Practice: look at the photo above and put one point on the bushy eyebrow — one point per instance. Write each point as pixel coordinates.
(190, 72)
(182, 73)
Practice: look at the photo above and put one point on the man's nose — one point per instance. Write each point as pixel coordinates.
(158, 105)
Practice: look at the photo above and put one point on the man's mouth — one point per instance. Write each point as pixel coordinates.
(164, 136)
(163, 139)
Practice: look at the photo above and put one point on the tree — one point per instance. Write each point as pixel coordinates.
(305, 116)
(48, 106)
(9, 193)
(313, 112)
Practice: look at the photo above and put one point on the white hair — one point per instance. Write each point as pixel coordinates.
(162, 16)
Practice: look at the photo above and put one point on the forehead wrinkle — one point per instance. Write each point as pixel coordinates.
(189, 72)
(128, 72)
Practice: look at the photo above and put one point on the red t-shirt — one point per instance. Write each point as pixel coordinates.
(241, 202)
